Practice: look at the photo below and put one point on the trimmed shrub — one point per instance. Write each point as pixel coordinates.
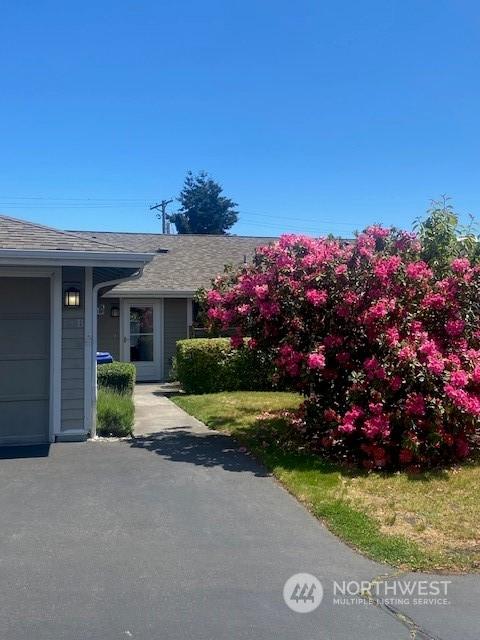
(118, 376)
(385, 351)
(208, 365)
(115, 413)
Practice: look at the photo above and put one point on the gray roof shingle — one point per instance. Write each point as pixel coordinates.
(25, 235)
(186, 262)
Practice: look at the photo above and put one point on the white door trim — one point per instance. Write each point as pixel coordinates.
(155, 371)
(55, 276)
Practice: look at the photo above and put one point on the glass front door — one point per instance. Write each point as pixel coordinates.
(141, 333)
(142, 340)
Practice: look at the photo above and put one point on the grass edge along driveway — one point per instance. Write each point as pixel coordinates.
(427, 522)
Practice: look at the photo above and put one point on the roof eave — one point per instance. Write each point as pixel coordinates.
(40, 257)
(158, 293)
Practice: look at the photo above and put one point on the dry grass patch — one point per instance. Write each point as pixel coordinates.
(439, 510)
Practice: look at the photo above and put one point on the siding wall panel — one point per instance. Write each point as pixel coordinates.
(73, 358)
(174, 327)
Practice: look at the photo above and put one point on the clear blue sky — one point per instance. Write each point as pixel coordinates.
(316, 116)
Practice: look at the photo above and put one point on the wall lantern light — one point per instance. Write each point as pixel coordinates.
(115, 312)
(72, 297)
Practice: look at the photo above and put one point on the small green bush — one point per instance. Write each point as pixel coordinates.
(115, 413)
(208, 365)
(118, 376)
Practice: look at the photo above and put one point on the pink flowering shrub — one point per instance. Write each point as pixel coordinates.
(386, 353)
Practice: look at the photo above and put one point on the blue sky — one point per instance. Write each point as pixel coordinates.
(316, 116)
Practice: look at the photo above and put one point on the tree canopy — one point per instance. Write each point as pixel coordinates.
(203, 207)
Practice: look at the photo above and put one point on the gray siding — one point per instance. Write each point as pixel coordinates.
(109, 329)
(73, 356)
(175, 328)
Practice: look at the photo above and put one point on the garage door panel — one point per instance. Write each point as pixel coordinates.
(34, 421)
(22, 337)
(24, 360)
(26, 295)
(24, 379)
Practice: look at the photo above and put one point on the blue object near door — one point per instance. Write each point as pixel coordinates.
(103, 357)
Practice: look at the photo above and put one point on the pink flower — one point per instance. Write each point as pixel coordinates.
(379, 310)
(332, 341)
(341, 270)
(459, 378)
(392, 335)
(269, 309)
(351, 298)
(236, 342)
(407, 353)
(214, 313)
(454, 327)
(415, 405)
(377, 426)
(418, 271)
(416, 326)
(376, 231)
(261, 291)
(349, 419)
(387, 267)
(434, 301)
(289, 360)
(213, 297)
(316, 360)
(243, 309)
(435, 365)
(316, 297)
(373, 369)
(395, 383)
(460, 265)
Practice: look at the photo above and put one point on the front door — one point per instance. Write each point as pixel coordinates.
(141, 337)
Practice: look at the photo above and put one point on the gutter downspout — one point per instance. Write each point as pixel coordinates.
(96, 289)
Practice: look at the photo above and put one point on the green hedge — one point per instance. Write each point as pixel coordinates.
(118, 376)
(207, 365)
(115, 413)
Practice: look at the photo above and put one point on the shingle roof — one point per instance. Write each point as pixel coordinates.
(25, 235)
(186, 262)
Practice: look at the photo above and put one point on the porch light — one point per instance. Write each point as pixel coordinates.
(72, 297)
(115, 312)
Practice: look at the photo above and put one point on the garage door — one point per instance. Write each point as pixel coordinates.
(24, 360)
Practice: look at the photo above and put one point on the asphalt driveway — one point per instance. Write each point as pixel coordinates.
(175, 535)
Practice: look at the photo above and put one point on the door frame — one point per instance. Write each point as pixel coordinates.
(54, 274)
(155, 372)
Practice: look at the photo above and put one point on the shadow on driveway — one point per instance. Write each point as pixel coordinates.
(180, 444)
(28, 451)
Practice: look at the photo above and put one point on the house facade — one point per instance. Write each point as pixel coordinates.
(49, 284)
(64, 295)
(141, 320)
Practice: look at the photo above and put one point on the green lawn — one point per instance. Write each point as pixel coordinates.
(423, 522)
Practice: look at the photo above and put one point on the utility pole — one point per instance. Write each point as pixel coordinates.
(162, 206)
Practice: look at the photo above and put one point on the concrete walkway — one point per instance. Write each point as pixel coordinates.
(165, 428)
(154, 412)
